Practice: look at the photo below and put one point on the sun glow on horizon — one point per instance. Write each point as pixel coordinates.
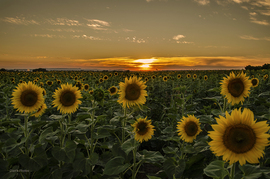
(146, 63)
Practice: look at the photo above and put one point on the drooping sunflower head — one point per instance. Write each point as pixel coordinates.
(235, 88)
(67, 98)
(27, 97)
(40, 111)
(143, 129)
(113, 90)
(238, 137)
(132, 92)
(254, 82)
(189, 128)
(98, 95)
(205, 77)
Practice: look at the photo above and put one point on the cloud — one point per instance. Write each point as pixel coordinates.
(91, 37)
(177, 37)
(65, 30)
(202, 2)
(48, 36)
(248, 37)
(97, 24)
(63, 21)
(19, 21)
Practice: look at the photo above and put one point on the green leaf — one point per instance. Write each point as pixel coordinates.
(70, 148)
(57, 174)
(102, 133)
(170, 150)
(129, 145)
(115, 166)
(58, 153)
(151, 156)
(250, 171)
(152, 177)
(174, 168)
(216, 170)
(56, 117)
(45, 133)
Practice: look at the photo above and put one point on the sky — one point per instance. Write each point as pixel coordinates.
(134, 34)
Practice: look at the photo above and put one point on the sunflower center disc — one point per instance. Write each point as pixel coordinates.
(254, 82)
(133, 92)
(29, 98)
(239, 138)
(191, 128)
(67, 98)
(236, 87)
(142, 128)
(112, 90)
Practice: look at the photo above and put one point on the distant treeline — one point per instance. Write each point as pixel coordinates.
(265, 66)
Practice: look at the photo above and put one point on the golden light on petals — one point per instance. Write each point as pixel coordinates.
(239, 138)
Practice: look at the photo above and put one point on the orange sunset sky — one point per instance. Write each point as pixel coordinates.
(134, 34)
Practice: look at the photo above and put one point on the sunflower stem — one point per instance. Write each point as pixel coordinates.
(26, 133)
(124, 124)
(134, 162)
(232, 172)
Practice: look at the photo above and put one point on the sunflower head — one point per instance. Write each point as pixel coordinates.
(98, 95)
(165, 78)
(189, 128)
(178, 76)
(86, 87)
(205, 77)
(101, 80)
(67, 98)
(113, 90)
(254, 82)
(238, 137)
(91, 92)
(188, 75)
(143, 129)
(265, 77)
(105, 77)
(132, 92)
(27, 97)
(235, 88)
(194, 76)
(49, 83)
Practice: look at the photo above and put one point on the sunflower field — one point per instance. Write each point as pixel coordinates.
(127, 125)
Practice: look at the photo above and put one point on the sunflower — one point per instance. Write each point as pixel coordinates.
(40, 111)
(101, 80)
(41, 84)
(43, 92)
(239, 138)
(113, 90)
(265, 77)
(27, 97)
(49, 83)
(194, 76)
(178, 76)
(235, 88)
(143, 129)
(146, 79)
(86, 87)
(205, 77)
(67, 98)
(59, 82)
(189, 128)
(91, 92)
(165, 78)
(153, 77)
(132, 92)
(254, 82)
(115, 73)
(188, 75)
(105, 77)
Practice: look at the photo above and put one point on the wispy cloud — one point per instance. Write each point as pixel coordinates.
(97, 24)
(202, 2)
(64, 30)
(48, 35)
(19, 20)
(177, 37)
(249, 37)
(135, 40)
(260, 22)
(63, 21)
